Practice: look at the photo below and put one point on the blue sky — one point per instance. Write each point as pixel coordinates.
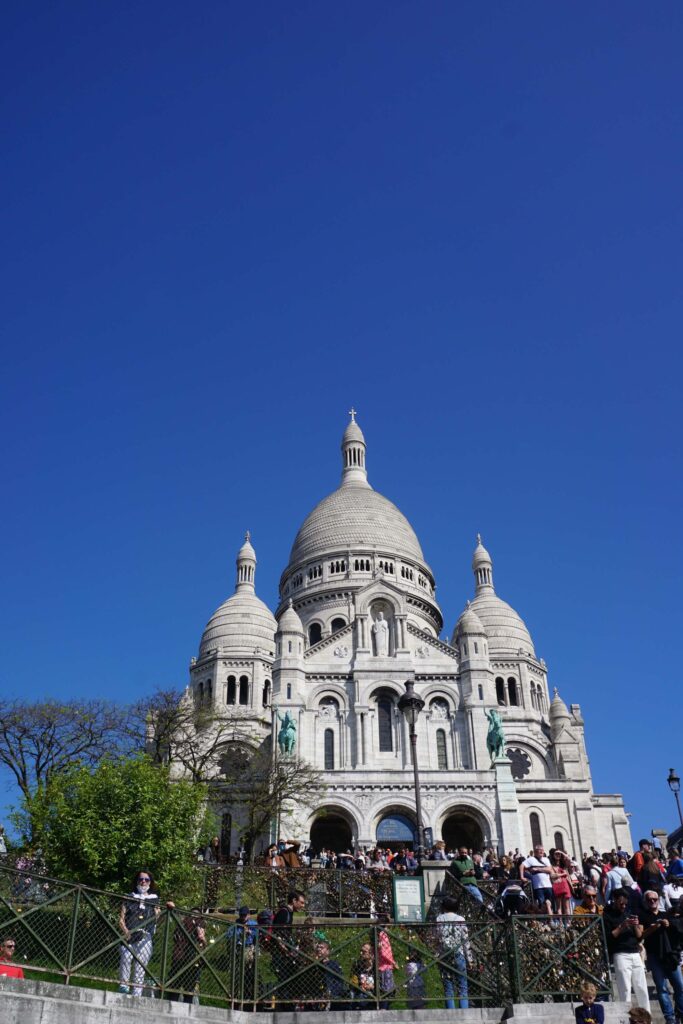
(225, 224)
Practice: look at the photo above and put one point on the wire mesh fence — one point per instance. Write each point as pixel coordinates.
(553, 956)
(82, 935)
(329, 893)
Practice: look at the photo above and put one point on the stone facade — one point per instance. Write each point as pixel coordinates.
(357, 618)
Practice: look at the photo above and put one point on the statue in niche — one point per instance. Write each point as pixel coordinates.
(380, 631)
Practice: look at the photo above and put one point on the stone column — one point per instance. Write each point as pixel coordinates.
(509, 835)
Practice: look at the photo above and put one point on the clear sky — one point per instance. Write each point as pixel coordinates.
(224, 224)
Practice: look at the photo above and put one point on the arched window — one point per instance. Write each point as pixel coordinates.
(200, 694)
(535, 824)
(208, 691)
(534, 702)
(559, 841)
(512, 692)
(289, 691)
(441, 755)
(329, 702)
(329, 749)
(244, 690)
(337, 624)
(500, 691)
(315, 632)
(232, 691)
(385, 711)
(266, 693)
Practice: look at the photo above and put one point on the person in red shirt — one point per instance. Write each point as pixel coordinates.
(7, 969)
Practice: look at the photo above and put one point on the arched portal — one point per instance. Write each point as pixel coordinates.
(461, 828)
(396, 830)
(331, 832)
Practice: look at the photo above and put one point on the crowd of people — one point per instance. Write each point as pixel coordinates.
(639, 896)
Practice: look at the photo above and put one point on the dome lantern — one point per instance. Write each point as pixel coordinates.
(482, 566)
(246, 565)
(354, 473)
(243, 623)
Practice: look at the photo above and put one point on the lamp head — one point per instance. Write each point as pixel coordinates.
(410, 704)
(674, 781)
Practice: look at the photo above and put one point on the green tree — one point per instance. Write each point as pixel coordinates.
(99, 825)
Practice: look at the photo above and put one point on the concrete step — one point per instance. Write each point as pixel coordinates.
(38, 1002)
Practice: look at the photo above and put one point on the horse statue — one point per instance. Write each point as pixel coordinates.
(286, 737)
(495, 738)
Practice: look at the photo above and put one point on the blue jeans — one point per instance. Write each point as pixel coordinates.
(455, 977)
(660, 976)
(475, 891)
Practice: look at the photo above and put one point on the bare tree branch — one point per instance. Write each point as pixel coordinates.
(40, 740)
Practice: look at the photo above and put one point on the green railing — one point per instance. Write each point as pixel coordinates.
(74, 934)
(554, 956)
(329, 893)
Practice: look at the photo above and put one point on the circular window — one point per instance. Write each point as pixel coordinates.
(235, 760)
(521, 762)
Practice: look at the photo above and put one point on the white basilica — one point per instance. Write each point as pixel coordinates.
(357, 617)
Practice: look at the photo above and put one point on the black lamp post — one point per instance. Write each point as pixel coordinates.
(411, 705)
(675, 787)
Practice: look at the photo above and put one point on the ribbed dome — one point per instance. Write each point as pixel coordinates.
(242, 622)
(352, 433)
(558, 708)
(290, 621)
(505, 630)
(469, 622)
(355, 517)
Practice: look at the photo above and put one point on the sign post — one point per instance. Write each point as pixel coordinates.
(408, 898)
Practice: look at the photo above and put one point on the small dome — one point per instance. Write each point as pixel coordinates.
(290, 621)
(242, 623)
(246, 551)
(481, 555)
(469, 622)
(558, 708)
(353, 433)
(504, 628)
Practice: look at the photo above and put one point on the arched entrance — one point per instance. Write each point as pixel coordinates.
(462, 828)
(396, 830)
(331, 832)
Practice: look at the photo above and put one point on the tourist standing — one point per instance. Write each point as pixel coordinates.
(624, 933)
(662, 960)
(462, 868)
(137, 921)
(454, 950)
(537, 868)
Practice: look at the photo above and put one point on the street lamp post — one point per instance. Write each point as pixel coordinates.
(675, 787)
(411, 705)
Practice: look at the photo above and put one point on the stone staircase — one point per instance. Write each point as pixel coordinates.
(38, 1002)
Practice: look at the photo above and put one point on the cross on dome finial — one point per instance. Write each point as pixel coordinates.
(556, 692)
(247, 536)
(478, 538)
(352, 414)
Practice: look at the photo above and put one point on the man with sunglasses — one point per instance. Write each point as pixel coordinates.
(7, 969)
(662, 959)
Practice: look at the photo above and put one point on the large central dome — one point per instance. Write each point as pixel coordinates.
(355, 518)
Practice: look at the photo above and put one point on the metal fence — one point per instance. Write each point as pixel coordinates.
(554, 956)
(73, 933)
(329, 893)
